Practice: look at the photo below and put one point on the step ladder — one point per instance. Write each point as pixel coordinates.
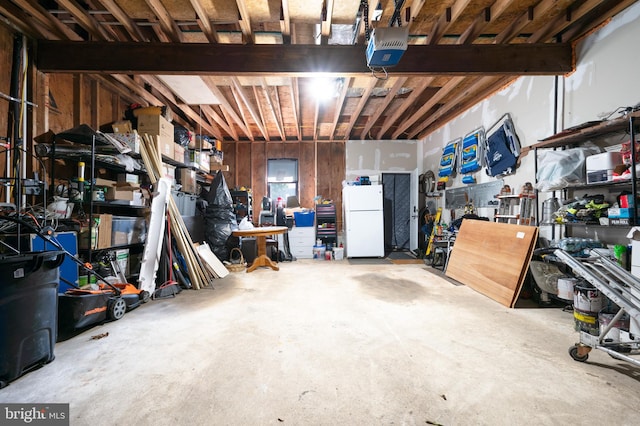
(432, 237)
(623, 289)
(516, 208)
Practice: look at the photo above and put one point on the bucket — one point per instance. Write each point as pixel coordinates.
(566, 287)
(586, 321)
(549, 207)
(587, 302)
(605, 318)
(319, 252)
(587, 298)
(338, 253)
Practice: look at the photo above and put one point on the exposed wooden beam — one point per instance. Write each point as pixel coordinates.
(46, 19)
(161, 88)
(561, 23)
(446, 21)
(476, 86)
(210, 112)
(85, 20)
(272, 107)
(204, 22)
(339, 105)
(166, 21)
(440, 94)
(245, 22)
(239, 90)
(385, 103)
(238, 100)
(325, 24)
(190, 58)
(122, 17)
(451, 111)
(285, 22)
(316, 131)
(22, 22)
(118, 88)
(228, 119)
(225, 105)
(545, 7)
(480, 23)
(361, 103)
(256, 95)
(295, 104)
(137, 89)
(415, 94)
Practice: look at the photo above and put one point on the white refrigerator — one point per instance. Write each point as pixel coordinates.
(363, 221)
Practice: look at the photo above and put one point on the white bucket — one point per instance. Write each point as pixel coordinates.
(565, 287)
(338, 253)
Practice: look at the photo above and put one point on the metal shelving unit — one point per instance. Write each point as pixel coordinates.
(591, 131)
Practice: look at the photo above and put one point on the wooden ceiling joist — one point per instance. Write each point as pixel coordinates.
(151, 58)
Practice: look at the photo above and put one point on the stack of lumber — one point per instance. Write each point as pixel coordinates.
(493, 258)
(201, 271)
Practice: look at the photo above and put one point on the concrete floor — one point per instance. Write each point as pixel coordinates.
(326, 343)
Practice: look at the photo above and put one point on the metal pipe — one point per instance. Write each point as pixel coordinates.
(634, 161)
(14, 127)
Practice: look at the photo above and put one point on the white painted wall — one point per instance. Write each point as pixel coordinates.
(606, 78)
(372, 158)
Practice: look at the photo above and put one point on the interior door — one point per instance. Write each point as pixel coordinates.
(397, 211)
(415, 209)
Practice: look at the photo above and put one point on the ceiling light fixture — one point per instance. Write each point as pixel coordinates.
(324, 88)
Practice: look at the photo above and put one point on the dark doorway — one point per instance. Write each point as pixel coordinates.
(396, 189)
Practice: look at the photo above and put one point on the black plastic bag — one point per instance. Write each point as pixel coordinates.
(181, 135)
(220, 220)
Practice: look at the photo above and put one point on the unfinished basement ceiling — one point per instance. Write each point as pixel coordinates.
(254, 58)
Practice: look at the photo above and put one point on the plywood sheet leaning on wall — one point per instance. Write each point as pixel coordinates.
(493, 258)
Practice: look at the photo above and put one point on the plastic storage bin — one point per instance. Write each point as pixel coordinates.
(28, 311)
(128, 230)
(304, 219)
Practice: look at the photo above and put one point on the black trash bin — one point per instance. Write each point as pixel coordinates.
(28, 311)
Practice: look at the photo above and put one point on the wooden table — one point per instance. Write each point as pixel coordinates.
(261, 234)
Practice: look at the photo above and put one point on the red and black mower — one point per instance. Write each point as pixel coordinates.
(80, 307)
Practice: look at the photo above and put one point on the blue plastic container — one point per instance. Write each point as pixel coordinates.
(304, 219)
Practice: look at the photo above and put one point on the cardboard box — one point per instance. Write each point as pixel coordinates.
(188, 180)
(164, 146)
(600, 166)
(178, 153)
(128, 178)
(123, 126)
(99, 236)
(124, 193)
(103, 182)
(619, 213)
(122, 259)
(203, 162)
(169, 171)
(155, 125)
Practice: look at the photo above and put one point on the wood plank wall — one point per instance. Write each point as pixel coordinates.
(80, 99)
(321, 169)
(6, 49)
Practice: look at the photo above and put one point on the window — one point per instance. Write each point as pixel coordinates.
(282, 179)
